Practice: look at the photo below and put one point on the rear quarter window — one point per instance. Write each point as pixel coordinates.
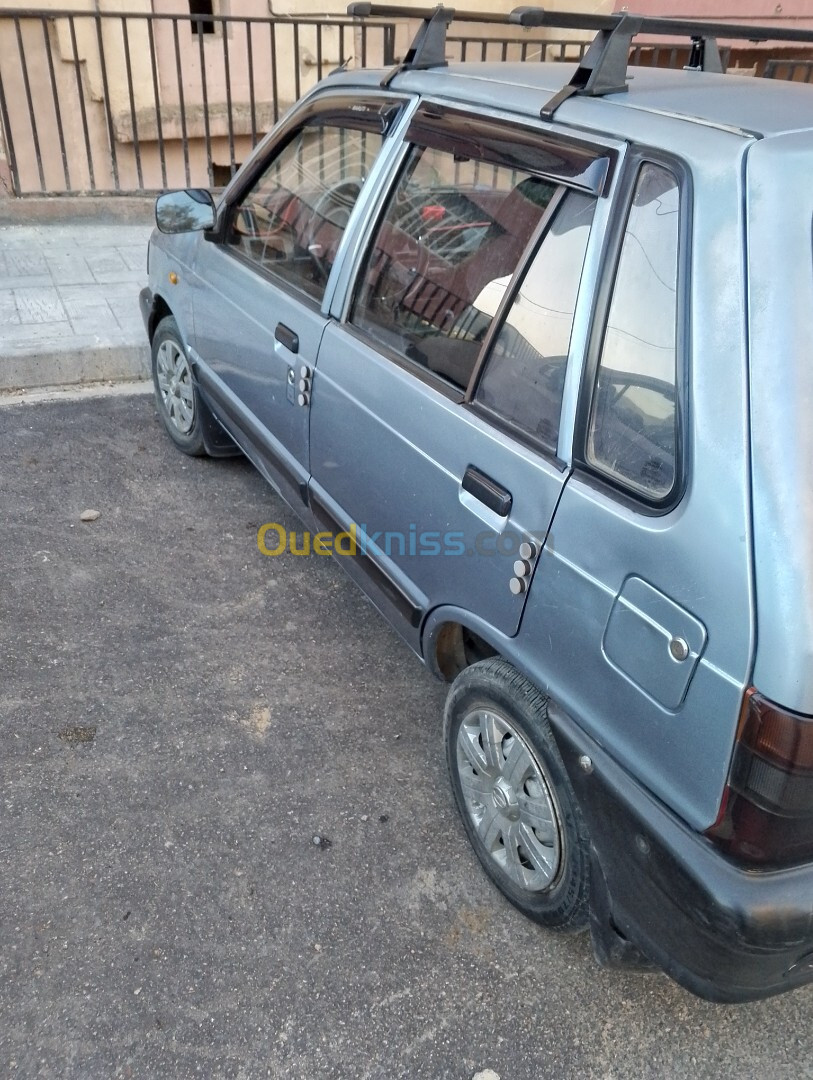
(632, 433)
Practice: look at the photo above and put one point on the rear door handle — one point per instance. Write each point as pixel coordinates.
(487, 491)
(287, 338)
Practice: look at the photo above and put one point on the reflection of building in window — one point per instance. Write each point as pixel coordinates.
(292, 221)
(440, 243)
(202, 7)
(524, 377)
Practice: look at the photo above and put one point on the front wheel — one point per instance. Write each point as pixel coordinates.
(513, 793)
(176, 395)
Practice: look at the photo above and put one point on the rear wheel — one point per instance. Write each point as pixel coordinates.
(176, 395)
(517, 804)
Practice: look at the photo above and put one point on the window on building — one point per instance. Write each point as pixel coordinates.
(202, 7)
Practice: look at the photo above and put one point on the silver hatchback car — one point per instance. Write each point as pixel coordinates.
(526, 346)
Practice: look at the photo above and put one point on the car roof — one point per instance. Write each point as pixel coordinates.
(758, 106)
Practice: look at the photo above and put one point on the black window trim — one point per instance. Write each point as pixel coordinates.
(589, 472)
(337, 108)
(432, 111)
(514, 144)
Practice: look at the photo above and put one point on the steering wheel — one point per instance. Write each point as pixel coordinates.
(333, 207)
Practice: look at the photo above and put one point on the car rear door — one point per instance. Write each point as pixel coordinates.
(435, 425)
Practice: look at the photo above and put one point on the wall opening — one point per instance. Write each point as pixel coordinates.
(202, 7)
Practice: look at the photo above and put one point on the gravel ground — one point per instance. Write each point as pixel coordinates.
(179, 718)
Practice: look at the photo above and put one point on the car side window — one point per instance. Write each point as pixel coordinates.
(452, 233)
(632, 431)
(524, 374)
(292, 219)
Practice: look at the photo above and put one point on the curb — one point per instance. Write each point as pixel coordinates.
(61, 209)
(46, 395)
(49, 368)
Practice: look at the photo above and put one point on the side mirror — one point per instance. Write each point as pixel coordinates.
(191, 210)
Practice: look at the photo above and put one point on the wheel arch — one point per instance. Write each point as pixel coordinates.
(453, 639)
(160, 310)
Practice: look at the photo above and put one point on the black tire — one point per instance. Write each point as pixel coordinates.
(492, 703)
(184, 428)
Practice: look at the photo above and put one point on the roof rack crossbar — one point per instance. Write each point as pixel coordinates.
(603, 69)
(656, 26)
(362, 9)
(530, 17)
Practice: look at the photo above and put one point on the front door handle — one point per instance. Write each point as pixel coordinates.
(487, 491)
(287, 337)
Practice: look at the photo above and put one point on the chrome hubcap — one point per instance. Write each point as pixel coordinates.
(508, 800)
(505, 799)
(175, 386)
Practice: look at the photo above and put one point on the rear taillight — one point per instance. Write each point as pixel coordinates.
(766, 818)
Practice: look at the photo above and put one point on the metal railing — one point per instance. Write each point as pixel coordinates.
(104, 102)
(488, 48)
(124, 102)
(791, 70)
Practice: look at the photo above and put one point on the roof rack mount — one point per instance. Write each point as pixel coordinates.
(428, 48)
(603, 69)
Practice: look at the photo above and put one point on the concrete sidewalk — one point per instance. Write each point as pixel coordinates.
(69, 309)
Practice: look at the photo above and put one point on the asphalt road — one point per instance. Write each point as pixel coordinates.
(164, 911)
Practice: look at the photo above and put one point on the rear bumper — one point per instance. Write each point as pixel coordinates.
(726, 933)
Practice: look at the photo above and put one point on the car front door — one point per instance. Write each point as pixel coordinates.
(262, 285)
(434, 425)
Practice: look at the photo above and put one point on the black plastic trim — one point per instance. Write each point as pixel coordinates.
(146, 301)
(221, 405)
(514, 145)
(338, 109)
(726, 933)
(487, 491)
(377, 575)
(287, 337)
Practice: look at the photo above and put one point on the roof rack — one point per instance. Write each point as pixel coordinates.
(428, 48)
(603, 69)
